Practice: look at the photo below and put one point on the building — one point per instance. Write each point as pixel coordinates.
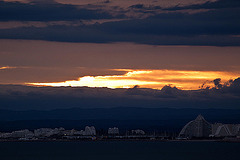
(201, 128)
(18, 134)
(89, 131)
(113, 131)
(196, 128)
(47, 132)
(225, 130)
(138, 132)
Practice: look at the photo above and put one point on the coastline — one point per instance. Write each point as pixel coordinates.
(115, 140)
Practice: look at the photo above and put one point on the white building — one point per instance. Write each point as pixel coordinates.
(138, 132)
(196, 128)
(18, 134)
(225, 130)
(201, 128)
(47, 132)
(89, 131)
(113, 131)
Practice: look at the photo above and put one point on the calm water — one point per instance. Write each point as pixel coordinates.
(119, 150)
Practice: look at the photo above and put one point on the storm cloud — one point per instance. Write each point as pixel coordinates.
(15, 97)
(47, 11)
(216, 25)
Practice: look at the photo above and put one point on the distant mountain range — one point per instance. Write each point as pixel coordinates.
(122, 117)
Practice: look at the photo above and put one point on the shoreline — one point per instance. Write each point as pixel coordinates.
(126, 140)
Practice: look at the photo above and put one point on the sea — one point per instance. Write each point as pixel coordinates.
(120, 150)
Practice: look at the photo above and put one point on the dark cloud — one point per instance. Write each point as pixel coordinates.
(233, 87)
(138, 6)
(47, 11)
(147, 9)
(217, 83)
(215, 27)
(219, 4)
(42, 98)
(180, 24)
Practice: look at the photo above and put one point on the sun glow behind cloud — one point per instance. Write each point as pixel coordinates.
(6, 67)
(148, 79)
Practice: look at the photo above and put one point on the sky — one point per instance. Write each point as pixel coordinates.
(188, 45)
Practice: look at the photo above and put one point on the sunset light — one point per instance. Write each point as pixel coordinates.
(119, 79)
(155, 79)
(6, 67)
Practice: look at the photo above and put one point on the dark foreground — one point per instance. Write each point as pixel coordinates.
(119, 150)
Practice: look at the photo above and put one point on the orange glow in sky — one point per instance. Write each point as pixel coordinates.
(155, 79)
(6, 67)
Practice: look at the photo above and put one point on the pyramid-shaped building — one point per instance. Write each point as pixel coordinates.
(196, 128)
